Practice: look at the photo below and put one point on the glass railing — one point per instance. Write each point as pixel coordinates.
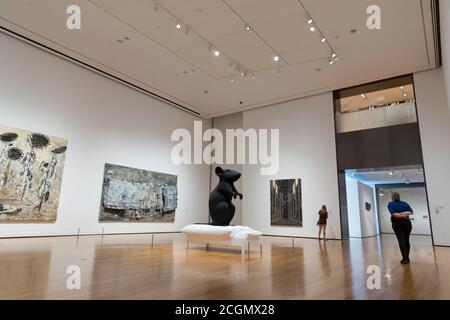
(383, 116)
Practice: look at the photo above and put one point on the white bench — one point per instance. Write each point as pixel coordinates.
(240, 236)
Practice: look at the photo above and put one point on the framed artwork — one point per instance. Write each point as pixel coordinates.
(136, 195)
(286, 202)
(31, 169)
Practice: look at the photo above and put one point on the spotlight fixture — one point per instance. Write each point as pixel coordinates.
(323, 39)
(243, 73)
(216, 52)
(231, 80)
(331, 61)
(312, 29)
(247, 28)
(391, 173)
(310, 21)
(276, 58)
(402, 88)
(363, 96)
(333, 55)
(178, 25)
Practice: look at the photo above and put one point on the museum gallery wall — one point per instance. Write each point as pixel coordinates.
(103, 122)
(135, 195)
(31, 169)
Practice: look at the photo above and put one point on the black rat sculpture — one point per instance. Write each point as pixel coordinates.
(221, 209)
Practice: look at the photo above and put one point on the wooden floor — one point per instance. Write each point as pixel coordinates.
(127, 267)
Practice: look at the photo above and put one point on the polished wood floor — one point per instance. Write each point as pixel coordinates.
(127, 267)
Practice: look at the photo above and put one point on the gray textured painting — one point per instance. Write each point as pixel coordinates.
(134, 195)
(31, 168)
(286, 202)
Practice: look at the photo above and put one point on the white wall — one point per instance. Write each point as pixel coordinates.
(434, 124)
(417, 199)
(104, 122)
(444, 8)
(362, 223)
(354, 216)
(368, 218)
(307, 151)
(232, 121)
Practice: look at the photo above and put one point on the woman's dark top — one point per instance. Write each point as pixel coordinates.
(323, 216)
(398, 206)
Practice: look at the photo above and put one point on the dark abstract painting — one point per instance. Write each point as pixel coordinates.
(135, 195)
(286, 202)
(31, 169)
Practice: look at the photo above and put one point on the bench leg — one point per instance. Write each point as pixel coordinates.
(248, 250)
(207, 247)
(187, 245)
(260, 248)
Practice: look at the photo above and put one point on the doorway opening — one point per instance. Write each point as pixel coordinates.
(368, 192)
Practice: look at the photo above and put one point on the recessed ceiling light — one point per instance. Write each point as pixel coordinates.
(310, 21)
(276, 58)
(312, 29)
(216, 52)
(402, 88)
(178, 25)
(391, 173)
(404, 94)
(333, 55)
(331, 61)
(247, 28)
(323, 39)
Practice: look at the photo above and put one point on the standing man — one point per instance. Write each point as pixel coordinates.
(400, 212)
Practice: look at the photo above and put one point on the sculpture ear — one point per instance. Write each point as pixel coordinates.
(219, 171)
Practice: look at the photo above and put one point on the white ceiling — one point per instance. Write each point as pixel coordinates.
(180, 67)
(394, 176)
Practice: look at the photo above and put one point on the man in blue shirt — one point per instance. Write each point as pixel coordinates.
(400, 212)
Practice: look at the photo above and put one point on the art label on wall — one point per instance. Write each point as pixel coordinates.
(135, 195)
(31, 169)
(286, 202)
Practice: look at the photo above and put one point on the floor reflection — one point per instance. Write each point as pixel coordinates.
(128, 267)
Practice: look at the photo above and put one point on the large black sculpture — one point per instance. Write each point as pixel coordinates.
(221, 209)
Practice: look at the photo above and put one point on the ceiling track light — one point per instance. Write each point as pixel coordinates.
(247, 27)
(276, 58)
(334, 55)
(310, 21)
(178, 25)
(324, 40)
(312, 28)
(216, 52)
